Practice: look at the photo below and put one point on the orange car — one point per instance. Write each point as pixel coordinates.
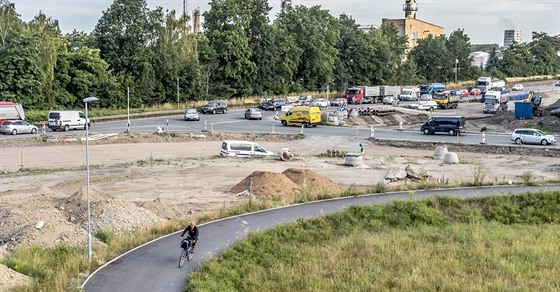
(475, 91)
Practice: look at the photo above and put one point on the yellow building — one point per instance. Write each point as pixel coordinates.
(414, 29)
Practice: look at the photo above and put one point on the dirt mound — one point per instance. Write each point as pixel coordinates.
(262, 183)
(36, 220)
(76, 204)
(306, 178)
(163, 208)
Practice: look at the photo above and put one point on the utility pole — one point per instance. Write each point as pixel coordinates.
(456, 63)
(178, 93)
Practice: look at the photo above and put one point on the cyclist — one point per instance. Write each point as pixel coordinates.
(192, 234)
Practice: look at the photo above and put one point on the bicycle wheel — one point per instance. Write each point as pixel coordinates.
(189, 252)
(182, 258)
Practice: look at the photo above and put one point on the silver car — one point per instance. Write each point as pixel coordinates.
(532, 136)
(17, 127)
(253, 114)
(192, 115)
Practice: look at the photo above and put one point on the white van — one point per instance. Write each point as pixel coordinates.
(410, 94)
(243, 149)
(67, 120)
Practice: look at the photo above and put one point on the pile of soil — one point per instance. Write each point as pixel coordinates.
(263, 183)
(306, 178)
(285, 184)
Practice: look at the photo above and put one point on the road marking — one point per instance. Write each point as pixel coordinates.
(94, 137)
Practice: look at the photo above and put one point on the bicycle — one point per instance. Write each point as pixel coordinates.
(187, 252)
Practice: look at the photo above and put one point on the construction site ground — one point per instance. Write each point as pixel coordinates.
(141, 179)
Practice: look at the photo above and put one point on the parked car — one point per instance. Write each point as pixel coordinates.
(339, 102)
(17, 127)
(273, 104)
(517, 87)
(320, 102)
(391, 100)
(428, 105)
(243, 149)
(278, 104)
(192, 115)
(557, 83)
(253, 114)
(463, 93)
(215, 107)
(532, 136)
(475, 91)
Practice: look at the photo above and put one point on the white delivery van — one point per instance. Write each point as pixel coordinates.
(67, 120)
(243, 149)
(410, 94)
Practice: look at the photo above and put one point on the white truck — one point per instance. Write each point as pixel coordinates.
(495, 101)
(486, 84)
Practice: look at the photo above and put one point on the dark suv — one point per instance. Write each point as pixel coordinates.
(450, 125)
(215, 107)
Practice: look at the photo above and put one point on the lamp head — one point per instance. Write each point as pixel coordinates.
(90, 99)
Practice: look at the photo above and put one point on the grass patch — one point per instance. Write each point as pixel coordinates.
(440, 243)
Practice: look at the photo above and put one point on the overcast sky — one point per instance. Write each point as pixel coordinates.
(484, 21)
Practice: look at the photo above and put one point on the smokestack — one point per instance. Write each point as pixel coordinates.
(285, 5)
(410, 7)
(196, 20)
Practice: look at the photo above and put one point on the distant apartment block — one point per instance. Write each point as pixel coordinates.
(511, 36)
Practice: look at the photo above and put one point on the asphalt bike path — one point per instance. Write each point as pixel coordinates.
(154, 265)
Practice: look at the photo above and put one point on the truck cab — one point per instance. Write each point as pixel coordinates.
(494, 101)
(445, 100)
(484, 83)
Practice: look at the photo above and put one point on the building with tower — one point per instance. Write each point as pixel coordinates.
(415, 29)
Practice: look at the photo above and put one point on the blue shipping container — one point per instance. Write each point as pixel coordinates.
(523, 110)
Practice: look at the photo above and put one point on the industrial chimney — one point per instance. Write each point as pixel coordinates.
(410, 7)
(286, 4)
(196, 20)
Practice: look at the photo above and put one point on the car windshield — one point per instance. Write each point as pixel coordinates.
(438, 96)
(353, 91)
(191, 111)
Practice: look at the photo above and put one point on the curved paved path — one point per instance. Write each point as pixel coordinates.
(154, 266)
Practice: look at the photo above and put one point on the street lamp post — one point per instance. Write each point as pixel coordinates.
(456, 63)
(86, 100)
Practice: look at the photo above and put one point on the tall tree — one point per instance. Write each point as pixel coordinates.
(352, 66)
(10, 23)
(432, 59)
(51, 43)
(123, 34)
(21, 76)
(517, 61)
(543, 48)
(228, 26)
(317, 33)
(458, 44)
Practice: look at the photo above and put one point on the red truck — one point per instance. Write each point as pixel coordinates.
(370, 94)
(11, 111)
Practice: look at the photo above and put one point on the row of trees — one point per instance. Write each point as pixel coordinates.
(154, 54)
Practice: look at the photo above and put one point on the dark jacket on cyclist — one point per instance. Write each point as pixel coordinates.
(192, 232)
